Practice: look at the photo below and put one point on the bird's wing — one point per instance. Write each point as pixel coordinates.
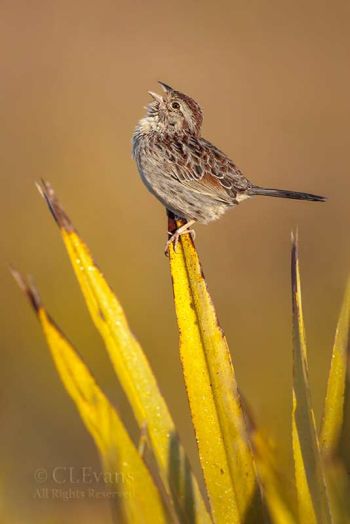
(203, 168)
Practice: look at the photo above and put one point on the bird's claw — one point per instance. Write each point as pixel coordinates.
(175, 237)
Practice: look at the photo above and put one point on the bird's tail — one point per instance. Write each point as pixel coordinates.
(282, 193)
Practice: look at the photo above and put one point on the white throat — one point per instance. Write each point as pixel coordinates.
(150, 124)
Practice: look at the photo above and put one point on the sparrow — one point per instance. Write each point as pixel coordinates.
(193, 179)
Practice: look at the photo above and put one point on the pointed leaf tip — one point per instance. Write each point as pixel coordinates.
(294, 266)
(28, 288)
(294, 236)
(56, 209)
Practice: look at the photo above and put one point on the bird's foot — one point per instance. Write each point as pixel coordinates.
(175, 236)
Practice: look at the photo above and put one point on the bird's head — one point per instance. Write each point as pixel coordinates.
(174, 112)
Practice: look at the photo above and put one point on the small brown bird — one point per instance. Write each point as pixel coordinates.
(191, 177)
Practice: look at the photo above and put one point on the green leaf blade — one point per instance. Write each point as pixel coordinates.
(338, 383)
(309, 475)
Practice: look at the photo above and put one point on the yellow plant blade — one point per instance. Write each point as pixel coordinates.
(147, 454)
(223, 444)
(139, 500)
(310, 481)
(335, 429)
(339, 488)
(270, 478)
(279, 510)
(333, 413)
(133, 370)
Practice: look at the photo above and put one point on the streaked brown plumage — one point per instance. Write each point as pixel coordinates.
(191, 177)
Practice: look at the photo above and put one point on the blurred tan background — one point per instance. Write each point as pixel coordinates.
(273, 79)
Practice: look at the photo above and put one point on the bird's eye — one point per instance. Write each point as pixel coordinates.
(175, 105)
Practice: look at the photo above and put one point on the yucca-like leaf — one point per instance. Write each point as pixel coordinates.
(309, 475)
(133, 371)
(138, 499)
(223, 443)
(335, 429)
(270, 480)
(273, 487)
(338, 383)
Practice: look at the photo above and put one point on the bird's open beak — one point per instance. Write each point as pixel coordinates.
(165, 87)
(156, 97)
